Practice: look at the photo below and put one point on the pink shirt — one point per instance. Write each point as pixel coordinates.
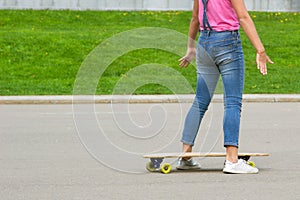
(220, 14)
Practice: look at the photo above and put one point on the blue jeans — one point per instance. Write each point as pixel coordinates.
(218, 53)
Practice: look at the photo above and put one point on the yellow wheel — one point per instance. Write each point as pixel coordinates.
(251, 163)
(150, 167)
(166, 168)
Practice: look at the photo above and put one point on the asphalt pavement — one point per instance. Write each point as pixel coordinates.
(94, 151)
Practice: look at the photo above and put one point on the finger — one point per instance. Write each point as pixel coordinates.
(182, 63)
(185, 64)
(269, 60)
(183, 58)
(257, 61)
(263, 69)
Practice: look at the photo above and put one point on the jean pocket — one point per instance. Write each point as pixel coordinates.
(223, 52)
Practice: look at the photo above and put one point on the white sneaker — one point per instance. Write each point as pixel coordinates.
(187, 164)
(241, 167)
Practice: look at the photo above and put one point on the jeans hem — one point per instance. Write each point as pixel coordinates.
(188, 143)
(231, 144)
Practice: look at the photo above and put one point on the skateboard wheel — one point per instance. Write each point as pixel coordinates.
(251, 163)
(166, 168)
(150, 167)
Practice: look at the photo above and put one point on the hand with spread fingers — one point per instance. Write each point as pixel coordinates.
(188, 58)
(261, 61)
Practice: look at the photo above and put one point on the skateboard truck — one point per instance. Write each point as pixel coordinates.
(155, 165)
(156, 162)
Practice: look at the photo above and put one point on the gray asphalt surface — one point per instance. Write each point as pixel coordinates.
(84, 152)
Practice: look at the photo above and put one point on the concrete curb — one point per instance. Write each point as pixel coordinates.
(98, 99)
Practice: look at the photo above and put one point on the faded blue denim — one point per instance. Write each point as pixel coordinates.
(218, 53)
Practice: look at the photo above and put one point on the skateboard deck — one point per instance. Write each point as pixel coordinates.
(156, 160)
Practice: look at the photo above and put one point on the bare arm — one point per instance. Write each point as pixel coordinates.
(193, 30)
(250, 30)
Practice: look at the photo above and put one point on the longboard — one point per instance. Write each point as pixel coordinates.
(156, 160)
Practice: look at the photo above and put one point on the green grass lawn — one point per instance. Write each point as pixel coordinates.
(42, 51)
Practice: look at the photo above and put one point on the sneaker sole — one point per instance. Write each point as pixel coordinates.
(238, 172)
(188, 168)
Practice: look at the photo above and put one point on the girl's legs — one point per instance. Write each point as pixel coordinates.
(233, 83)
(195, 114)
(206, 85)
(207, 78)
